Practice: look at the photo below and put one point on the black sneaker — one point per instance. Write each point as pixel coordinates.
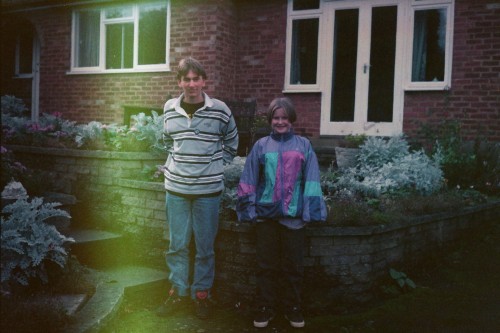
(263, 317)
(294, 316)
(174, 303)
(202, 305)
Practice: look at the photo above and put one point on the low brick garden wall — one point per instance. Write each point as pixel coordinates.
(343, 264)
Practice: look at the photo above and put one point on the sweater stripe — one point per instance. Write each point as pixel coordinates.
(198, 146)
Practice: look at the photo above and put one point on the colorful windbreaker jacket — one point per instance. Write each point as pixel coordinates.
(281, 180)
(198, 147)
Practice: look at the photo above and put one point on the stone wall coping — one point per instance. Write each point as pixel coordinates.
(323, 229)
(100, 154)
(150, 186)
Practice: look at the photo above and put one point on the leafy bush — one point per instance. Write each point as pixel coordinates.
(465, 163)
(28, 242)
(149, 129)
(376, 151)
(387, 165)
(35, 182)
(13, 106)
(96, 135)
(144, 135)
(51, 130)
(353, 140)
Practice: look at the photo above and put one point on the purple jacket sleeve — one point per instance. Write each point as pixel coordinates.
(245, 207)
(314, 207)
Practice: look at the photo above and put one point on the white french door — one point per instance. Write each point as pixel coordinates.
(363, 61)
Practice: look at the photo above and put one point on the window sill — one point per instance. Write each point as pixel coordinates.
(301, 90)
(117, 71)
(439, 87)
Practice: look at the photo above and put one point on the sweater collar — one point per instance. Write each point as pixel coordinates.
(208, 103)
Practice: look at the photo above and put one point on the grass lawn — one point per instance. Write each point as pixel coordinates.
(458, 291)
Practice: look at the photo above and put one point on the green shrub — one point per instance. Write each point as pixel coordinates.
(28, 242)
(149, 129)
(35, 181)
(387, 165)
(144, 135)
(354, 140)
(13, 106)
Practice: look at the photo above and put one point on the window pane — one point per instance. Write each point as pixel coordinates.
(119, 45)
(87, 43)
(304, 51)
(121, 12)
(152, 35)
(429, 40)
(344, 64)
(25, 56)
(305, 4)
(382, 61)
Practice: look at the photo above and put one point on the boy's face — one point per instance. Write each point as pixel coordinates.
(192, 85)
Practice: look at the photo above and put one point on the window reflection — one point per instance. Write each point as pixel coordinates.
(152, 35)
(344, 64)
(25, 52)
(119, 46)
(429, 42)
(304, 51)
(305, 4)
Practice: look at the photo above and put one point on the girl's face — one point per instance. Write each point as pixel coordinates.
(280, 123)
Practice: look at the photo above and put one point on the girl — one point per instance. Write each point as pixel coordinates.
(280, 190)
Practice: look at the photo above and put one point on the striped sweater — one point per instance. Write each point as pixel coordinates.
(198, 147)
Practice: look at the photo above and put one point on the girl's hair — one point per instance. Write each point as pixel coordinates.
(190, 64)
(282, 103)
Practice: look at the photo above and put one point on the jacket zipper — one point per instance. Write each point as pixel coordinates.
(282, 177)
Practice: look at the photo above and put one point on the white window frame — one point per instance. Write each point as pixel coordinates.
(403, 60)
(300, 15)
(328, 127)
(416, 5)
(101, 68)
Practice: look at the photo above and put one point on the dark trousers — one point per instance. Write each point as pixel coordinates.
(280, 260)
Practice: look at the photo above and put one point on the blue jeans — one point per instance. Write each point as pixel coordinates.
(197, 216)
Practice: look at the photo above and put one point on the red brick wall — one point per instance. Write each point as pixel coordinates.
(261, 57)
(474, 98)
(260, 71)
(205, 30)
(242, 45)
(88, 97)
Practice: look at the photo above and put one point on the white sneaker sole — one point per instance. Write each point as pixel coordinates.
(295, 324)
(262, 324)
(259, 324)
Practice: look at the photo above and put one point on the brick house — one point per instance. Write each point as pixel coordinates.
(375, 67)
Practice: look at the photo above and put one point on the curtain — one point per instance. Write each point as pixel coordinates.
(88, 38)
(419, 46)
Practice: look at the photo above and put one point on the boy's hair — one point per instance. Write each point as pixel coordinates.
(190, 64)
(282, 103)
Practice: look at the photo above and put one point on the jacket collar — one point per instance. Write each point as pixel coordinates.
(282, 137)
